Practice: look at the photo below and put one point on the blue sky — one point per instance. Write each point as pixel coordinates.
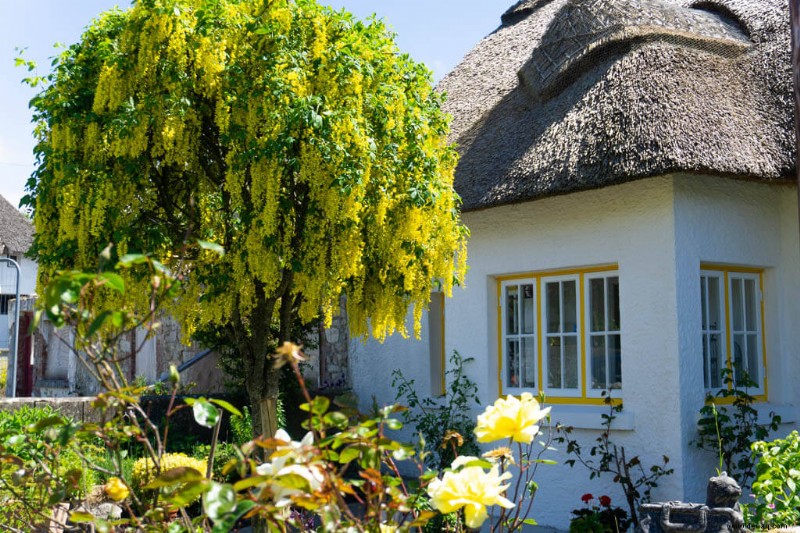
(436, 32)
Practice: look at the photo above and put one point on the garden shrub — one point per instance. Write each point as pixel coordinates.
(776, 489)
(144, 469)
(607, 457)
(445, 424)
(728, 426)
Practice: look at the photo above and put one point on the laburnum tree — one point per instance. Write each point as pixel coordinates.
(294, 136)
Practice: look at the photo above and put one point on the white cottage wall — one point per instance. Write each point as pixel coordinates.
(631, 225)
(372, 363)
(736, 223)
(658, 231)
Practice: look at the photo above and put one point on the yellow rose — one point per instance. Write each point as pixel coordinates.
(116, 489)
(472, 488)
(511, 418)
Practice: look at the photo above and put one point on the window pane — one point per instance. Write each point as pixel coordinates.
(715, 361)
(714, 321)
(529, 362)
(554, 362)
(706, 371)
(738, 357)
(527, 309)
(750, 304)
(598, 347)
(569, 307)
(612, 297)
(571, 362)
(737, 301)
(512, 313)
(597, 305)
(703, 298)
(615, 361)
(512, 363)
(553, 308)
(752, 359)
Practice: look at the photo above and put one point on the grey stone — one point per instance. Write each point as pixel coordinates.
(720, 514)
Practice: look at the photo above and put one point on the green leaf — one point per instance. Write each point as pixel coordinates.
(114, 281)
(188, 492)
(348, 454)
(212, 246)
(529, 521)
(117, 318)
(394, 424)
(181, 474)
(205, 413)
(318, 405)
(219, 500)
(250, 482)
(45, 423)
(97, 323)
(79, 517)
(226, 525)
(128, 260)
(227, 406)
(336, 419)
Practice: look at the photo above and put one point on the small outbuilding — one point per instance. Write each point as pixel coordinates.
(16, 237)
(626, 169)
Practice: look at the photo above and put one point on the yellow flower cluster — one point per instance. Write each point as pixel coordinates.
(116, 489)
(144, 470)
(471, 488)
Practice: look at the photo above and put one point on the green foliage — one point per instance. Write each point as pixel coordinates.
(445, 425)
(40, 464)
(776, 488)
(344, 457)
(3, 375)
(242, 427)
(728, 426)
(293, 136)
(606, 457)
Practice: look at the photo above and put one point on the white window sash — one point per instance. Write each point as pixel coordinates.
(606, 333)
(561, 336)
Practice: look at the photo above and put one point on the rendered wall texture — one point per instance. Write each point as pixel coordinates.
(658, 231)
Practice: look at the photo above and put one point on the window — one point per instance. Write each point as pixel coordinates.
(732, 327)
(559, 332)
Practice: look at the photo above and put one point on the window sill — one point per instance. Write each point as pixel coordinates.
(591, 417)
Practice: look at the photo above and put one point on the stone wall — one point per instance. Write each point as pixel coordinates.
(334, 347)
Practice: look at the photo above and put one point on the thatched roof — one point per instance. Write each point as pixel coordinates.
(16, 231)
(569, 95)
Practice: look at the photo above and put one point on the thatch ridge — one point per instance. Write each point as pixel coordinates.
(654, 87)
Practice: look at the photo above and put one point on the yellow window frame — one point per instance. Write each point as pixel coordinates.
(537, 277)
(726, 270)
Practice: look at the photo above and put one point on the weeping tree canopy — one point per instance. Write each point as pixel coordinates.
(296, 137)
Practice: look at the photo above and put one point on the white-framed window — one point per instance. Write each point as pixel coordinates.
(560, 333)
(732, 327)
(561, 360)
(604, 336)
(519, 362)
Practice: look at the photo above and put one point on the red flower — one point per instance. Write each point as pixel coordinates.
(586, 498)
(605, 501)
